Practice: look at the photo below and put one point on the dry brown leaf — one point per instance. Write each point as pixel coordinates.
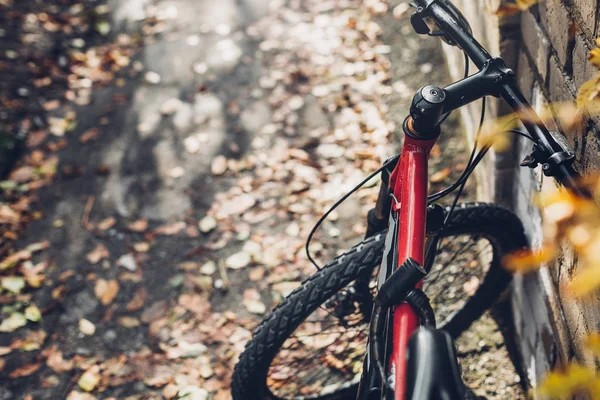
(89, 135)
(34, 341)
(25, 370)
(57, 363)
(139, 299)
(23, 255)
(106, 291)
(138, 226)
(154, 312)
(106, 223)
(100, 252)
(8, 215)
(440, 175)
(33, 273)
(253, 302)
(194, 303)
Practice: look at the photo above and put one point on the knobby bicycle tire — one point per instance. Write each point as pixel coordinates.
(501, 227)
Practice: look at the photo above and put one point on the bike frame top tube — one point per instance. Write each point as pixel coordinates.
(409, 184)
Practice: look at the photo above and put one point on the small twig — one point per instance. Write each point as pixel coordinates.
(198, 250)
(85, 219)
(223, 273)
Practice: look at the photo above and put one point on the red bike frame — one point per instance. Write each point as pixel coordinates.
(409, 182)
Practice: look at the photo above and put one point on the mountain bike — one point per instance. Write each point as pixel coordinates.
(364, 326)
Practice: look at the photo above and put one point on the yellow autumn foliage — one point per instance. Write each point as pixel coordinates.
(564, 384)
(514, 8)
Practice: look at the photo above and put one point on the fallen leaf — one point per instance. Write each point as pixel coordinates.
(57, 363)
(506, 9)
(89, 135)
(32, 313)
(106, 223)
(23, 255)
(155, 311)
(170, 229)
(86, 327)
(90, 379)
(33, 341)
(25, 370)
(106, 291)
(8, 215)
(238, 260)
(14, 284)
(100, 252)
(440, 175)
(141, 247)
(253, 302)
(208, 268)
(129, 322)
(75, 395)
(138, 226)
(32, 273)
(194, 303)
(207, 224)
(218, 165)
(128, 262)
(139, 299)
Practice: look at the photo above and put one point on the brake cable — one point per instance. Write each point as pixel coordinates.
(340, 201)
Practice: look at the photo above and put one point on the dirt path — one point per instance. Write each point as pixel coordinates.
(176, 188)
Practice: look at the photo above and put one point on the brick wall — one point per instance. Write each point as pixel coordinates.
(547, 46)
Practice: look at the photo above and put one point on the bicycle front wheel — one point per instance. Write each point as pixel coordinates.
(312, 345)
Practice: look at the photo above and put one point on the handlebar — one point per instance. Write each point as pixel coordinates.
(442, 18)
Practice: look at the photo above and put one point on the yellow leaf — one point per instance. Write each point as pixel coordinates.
(528, 260)
(565, 384)
(585, 282)
(507, 9)
(594, 57)
(89, 379)
(588, 95)
(514, 8)
(592, 343)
